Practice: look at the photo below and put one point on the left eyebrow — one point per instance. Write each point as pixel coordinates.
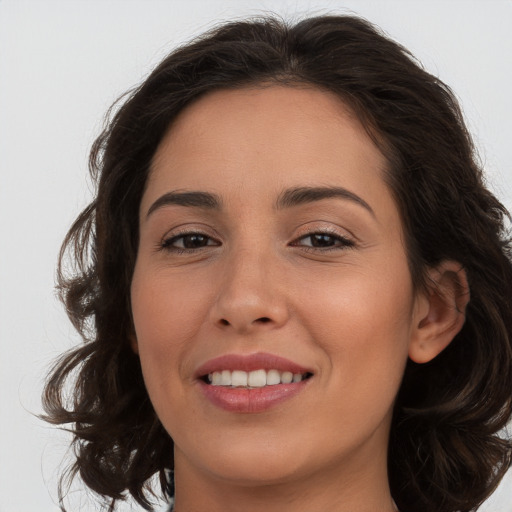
(191, 199)
(302, 195)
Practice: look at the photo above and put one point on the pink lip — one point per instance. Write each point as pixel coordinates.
(243, 400)
(249, 363)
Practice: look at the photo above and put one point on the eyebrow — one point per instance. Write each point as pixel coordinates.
(194, 199)
(302, 195)
(287, 199)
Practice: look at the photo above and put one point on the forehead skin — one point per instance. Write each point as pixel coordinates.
(277, 116)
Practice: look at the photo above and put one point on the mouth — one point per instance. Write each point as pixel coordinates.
(251, 383)
(254, 379)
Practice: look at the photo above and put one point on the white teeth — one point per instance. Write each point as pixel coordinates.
(254, 379)
(238, 378)
(225, 378)
(286, 377)
(257, 379)
(273, 377)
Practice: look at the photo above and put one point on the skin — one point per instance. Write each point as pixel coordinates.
(348, 311)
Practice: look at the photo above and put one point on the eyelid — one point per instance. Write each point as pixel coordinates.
(165, 244)
(344, 239)
(168, 241)
(326, 227)
(347, 240)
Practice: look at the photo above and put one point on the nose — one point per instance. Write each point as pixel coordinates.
(251, 294)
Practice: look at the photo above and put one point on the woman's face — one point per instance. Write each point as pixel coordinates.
(270, 241)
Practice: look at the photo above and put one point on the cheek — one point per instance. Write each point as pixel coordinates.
(363, 300)
(365, 333)
(167, 315)
(164, 309)
(165, 320)
(362, 320)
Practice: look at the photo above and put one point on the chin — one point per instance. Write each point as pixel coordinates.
(256, 472)
(242, 461)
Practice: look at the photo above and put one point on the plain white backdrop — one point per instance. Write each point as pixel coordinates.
(62, 63)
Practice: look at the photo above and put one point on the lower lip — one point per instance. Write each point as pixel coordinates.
(243, 400)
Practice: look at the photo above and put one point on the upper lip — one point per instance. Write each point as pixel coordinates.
(249, 363)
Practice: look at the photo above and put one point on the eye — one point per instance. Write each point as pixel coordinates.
(185, 242)
(323, 241)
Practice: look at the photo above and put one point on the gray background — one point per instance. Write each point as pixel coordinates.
(61, 65)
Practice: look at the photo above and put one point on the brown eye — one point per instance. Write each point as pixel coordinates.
(323, 241)
(188, 241)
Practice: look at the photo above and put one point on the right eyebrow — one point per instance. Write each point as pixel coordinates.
(191, 199)
(302, 195)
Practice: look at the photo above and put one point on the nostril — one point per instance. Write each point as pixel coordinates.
(261, 320)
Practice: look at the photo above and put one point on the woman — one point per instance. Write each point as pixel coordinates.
(294, 287)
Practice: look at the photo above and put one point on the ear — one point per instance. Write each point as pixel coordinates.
(440, 311)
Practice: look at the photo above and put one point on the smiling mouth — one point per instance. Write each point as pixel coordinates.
(252, 383)
(253, 379)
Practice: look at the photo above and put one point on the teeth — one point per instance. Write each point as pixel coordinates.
(238, 378)
(225, 378)
(254, 379)
(273, 377)
(286, 377)
(257, 379)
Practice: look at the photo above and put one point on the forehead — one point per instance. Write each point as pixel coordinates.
(263, 137)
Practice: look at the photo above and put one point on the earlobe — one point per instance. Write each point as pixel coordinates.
(441, 311)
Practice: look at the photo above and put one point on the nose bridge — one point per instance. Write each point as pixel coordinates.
(249, 293)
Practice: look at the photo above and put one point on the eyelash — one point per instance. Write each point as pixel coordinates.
(166, 244)
(340, 242)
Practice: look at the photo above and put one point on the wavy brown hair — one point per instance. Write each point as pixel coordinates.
(445, 451)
